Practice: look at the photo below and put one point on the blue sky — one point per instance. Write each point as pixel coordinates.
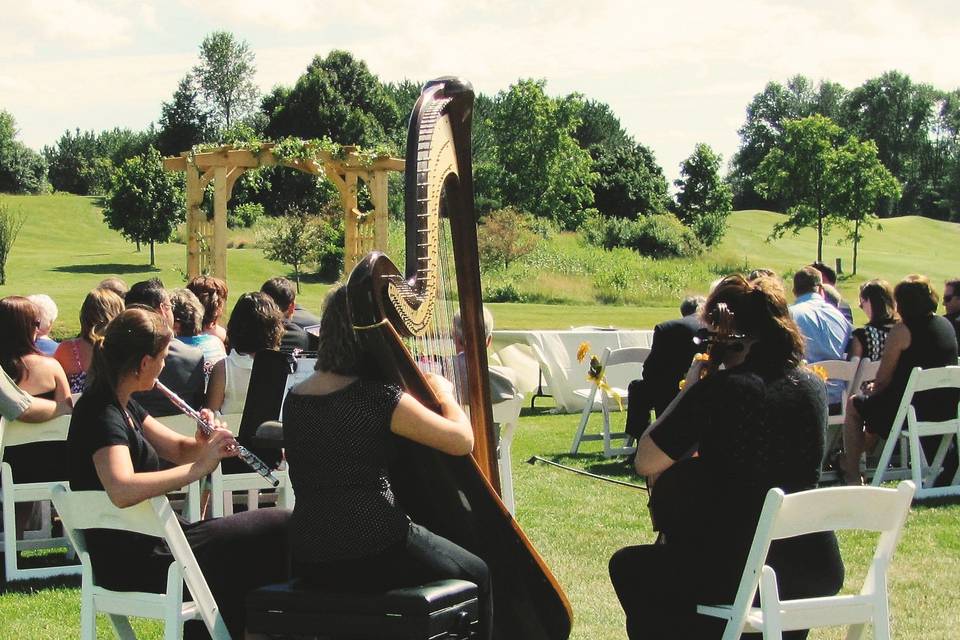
(676, 73)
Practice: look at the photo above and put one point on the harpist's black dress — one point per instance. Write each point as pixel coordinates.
(755, 429)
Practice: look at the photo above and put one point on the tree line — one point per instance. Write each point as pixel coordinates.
(566, 159)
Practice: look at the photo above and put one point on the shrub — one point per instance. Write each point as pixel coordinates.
(613, 282)
(504, 236)
(503, 291)
(245, 215)
(10, 225)
(656, 236)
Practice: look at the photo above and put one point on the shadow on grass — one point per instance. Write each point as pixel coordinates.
(109, 268)
(41, 558)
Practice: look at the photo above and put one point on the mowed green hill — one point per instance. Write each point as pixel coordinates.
(65, 249)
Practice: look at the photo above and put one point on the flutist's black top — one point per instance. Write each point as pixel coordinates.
(98, 421)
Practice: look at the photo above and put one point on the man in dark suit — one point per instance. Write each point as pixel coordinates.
(285, 295)
(951, 304)
(670, 356)
(309, 323)
(183, 367)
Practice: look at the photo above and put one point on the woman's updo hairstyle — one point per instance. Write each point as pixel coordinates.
(135, 333)
(915, 297)
(338, 351)
(760, 312)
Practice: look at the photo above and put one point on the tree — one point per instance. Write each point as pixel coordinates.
(145, 202)
(599, 126)
(859, 182)
(797, 171)
(897, 114)
(183, 121)
(293, 241)
(704, 200)
(83, 162)
(504, 236)
(336, 97)
(766, 114)
(22, 170)
(541, 167)
(10, 225)
(629, 181)
(225, 75)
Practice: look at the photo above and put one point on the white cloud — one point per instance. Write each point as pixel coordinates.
(81, 24)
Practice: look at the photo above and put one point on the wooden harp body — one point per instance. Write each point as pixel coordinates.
(456, 497)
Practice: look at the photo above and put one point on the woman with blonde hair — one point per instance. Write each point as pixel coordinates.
(98, 309)
(212, 294)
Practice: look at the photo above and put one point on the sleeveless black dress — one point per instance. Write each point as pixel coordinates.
(38, 461)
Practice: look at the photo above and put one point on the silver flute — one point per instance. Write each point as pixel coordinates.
(245, 454)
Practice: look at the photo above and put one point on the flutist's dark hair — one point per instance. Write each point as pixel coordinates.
(133, 334)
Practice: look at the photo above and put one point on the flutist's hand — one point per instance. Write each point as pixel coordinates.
(218, 445)
(210, 418)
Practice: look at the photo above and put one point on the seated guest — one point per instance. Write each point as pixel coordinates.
(187, 322)
(39, 376)
(255, 324)
(830, 292)
(183, 367)
(671, 351)
(74, 355)
(921, 339)
(503, 385)
(876, 300)
(951, 304)
(115, 446)
(17, 404)
(212, 293)
(756, 424)
(285, 295)
(347, 531)
(825, 331)
(308, 322)
(115, 284)
(48, 315)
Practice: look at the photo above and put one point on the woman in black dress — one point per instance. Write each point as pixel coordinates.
(757, 424)
(347, 532)
(922, 339)
(116, 446)
(876, 300)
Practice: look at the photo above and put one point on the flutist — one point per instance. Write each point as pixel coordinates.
(117, 447)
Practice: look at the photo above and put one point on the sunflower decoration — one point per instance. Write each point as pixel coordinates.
(820, 371)
(596, 374)
(697, 357)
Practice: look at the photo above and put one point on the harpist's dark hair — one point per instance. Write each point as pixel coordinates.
(760, 312)
(135, 333)
(339, 351)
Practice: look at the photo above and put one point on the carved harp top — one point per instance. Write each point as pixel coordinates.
(456, 497)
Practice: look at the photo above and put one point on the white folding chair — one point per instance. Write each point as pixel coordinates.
(788, 516)
(507, 415)
(81, 510)
(610, 358)
(924, 472)
(18, 433)
(845, 371)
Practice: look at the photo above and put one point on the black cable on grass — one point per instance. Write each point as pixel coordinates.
(536, 459)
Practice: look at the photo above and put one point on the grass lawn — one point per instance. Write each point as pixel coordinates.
(577, 523)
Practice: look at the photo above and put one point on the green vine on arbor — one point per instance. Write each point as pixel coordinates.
(298, 151)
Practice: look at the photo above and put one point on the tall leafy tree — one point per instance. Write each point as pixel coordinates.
(704, 200)
(541, 167)
(183, 121)
(798, 170)
(766, 115)
(858, 183)
(145, 202)
(22, 170)
(897, 114)
(337, 97)
(225, 75)
(629, 180)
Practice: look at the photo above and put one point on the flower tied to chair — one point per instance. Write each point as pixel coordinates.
(596, 374)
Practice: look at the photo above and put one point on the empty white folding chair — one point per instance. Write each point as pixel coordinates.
(831, 509)
(611, 357)
(19, 433)
(923, 471)
(507, 415)
(846, 372)
(81, 510)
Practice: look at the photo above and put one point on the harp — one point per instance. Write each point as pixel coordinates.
(397, 313)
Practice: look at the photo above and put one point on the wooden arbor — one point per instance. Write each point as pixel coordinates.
(207, 239)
